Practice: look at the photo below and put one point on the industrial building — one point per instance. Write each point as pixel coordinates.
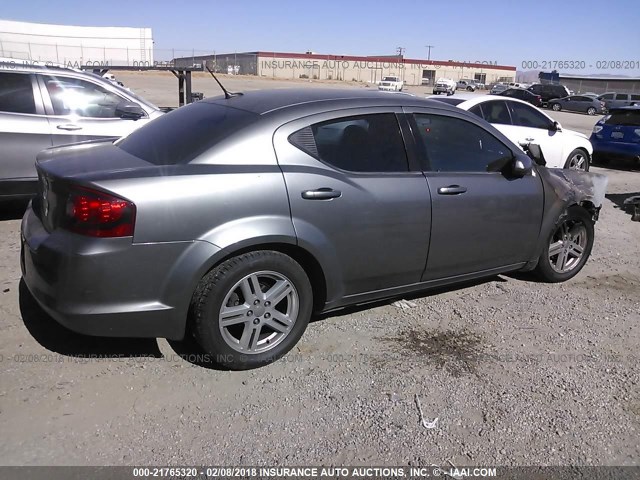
(350, 68)
(75, 45)
(601, 84)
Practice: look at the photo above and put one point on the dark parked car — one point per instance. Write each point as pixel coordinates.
(617, 136)
(498, 88)
(549, 91)
(235, 218)
(578, 103)
(613, 100)
(522, 94)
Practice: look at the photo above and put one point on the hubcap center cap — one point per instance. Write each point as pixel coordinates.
(258, 310)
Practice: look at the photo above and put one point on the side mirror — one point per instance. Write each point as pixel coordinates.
(521, 166)
(129, 110)
(555, 127)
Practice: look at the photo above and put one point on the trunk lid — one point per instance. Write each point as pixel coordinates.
(59, 168)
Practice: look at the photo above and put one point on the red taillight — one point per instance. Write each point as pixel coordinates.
(98, 214)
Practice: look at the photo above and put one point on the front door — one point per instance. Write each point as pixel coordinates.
(81, 110)
(355, 203)
(482, 219)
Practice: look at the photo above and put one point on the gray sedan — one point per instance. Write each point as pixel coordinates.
(578, 103)
(234, 219)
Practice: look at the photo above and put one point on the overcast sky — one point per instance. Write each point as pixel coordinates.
(506, 32)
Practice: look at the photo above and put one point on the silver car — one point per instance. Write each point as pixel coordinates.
(43, 106)
(234, 219)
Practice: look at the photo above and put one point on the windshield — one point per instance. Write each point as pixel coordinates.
(390, 79)
(124, 91)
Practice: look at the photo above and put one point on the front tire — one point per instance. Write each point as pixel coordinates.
(251, 309)
(556, 107)
(568, 246)
(578, 160)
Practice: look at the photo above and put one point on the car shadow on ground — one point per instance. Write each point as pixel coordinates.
(12, 209)
(618, 200)
(56, 338)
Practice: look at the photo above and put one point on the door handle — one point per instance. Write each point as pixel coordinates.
(321, 194)
(452, 190)
(69, 126)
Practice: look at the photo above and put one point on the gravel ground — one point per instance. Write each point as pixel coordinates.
(515, 372)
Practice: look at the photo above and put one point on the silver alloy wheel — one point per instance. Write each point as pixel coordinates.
(578, 161)
(259, 312)
(556, 107)
(591, 111)
(567, 246)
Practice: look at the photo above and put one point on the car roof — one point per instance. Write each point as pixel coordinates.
(488, 98)
(266, 101)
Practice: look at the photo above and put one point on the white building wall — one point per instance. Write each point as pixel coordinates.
(75, 45)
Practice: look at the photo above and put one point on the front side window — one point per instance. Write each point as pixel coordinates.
(454, 145)
(621, 96)
(16, 93)
(608, 96)
(363, 143)
(525, 116)
(73, 96)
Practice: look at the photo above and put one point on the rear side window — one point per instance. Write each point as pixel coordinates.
(496, 112)
(16, 93)
(182, 135)
(635, 97)
(363, 143)
(455, 145)
(629, 118)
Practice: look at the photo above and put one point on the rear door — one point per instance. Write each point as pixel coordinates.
(24, 130)
(81, 110)
(355, 202)
(482, 219)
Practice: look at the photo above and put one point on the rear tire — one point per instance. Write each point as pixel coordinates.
(591, 111)
(251, 309)
(556, 107)
(568, 247)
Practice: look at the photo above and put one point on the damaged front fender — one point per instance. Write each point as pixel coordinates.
(563, 189)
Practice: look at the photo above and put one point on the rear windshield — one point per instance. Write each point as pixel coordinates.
(183, 134)
(629, 118)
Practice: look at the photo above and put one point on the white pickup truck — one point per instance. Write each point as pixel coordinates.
(391, 83)
(445, 85)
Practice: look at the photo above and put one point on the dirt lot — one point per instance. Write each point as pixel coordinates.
(516, 373)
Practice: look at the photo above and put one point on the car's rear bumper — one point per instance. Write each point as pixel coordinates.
(109, 286)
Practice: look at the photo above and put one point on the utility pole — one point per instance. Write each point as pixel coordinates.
(400, 51)
(429, 47)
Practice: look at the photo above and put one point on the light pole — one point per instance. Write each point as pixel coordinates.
(429, 47)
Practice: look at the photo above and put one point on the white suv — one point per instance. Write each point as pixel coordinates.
(47, 106)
